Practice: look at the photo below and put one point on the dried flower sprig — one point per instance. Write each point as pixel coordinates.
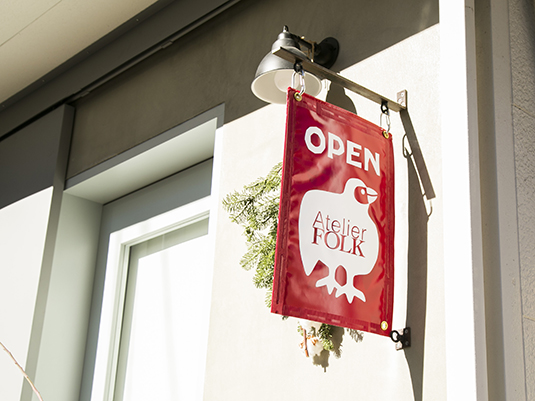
(23, 372)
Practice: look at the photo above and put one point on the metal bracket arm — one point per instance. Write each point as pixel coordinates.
(293, 56)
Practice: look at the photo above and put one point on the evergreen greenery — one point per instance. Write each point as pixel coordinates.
(256, 209)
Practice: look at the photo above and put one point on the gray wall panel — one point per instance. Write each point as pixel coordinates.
(216, 63)
(104, 57)
(35, 156)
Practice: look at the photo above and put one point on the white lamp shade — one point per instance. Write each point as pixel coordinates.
(272, 86)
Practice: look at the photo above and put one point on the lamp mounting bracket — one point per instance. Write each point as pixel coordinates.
(293, 55)
(324, 53)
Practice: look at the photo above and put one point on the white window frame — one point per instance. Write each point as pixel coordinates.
(109, 335)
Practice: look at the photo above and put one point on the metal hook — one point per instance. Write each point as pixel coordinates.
(298, 70)
(384, 107)
(385, 110)
(402, 338)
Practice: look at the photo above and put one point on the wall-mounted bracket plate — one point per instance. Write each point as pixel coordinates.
(402, 98)
(402, 338)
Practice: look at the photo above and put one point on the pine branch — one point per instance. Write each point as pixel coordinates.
(256, 209)
(325, 335)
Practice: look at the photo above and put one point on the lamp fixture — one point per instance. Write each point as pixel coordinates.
(274, 74)
(275, 71)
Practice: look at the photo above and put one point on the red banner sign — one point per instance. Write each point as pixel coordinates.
(334, 260)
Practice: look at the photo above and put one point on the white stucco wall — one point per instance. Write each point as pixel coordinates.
(254, 354)
(23, 229)
(522, 36)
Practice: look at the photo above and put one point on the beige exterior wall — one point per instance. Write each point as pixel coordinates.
(522, 36)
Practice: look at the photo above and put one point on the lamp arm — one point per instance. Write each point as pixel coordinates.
(290, 54)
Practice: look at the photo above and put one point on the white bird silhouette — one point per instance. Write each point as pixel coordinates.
(337, 230)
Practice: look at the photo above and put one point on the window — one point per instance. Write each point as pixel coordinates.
(155, 307)
(154, 270)
(165, 321)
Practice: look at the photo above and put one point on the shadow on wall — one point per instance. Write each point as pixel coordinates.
(420, 187)
(338, 97)
(323, 358)
(337, 338)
